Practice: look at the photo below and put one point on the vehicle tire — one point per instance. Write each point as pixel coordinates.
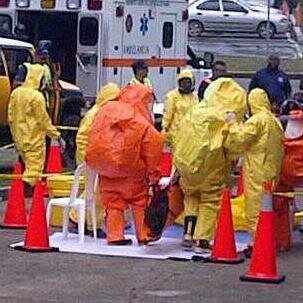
(195, 28)
(262, 30)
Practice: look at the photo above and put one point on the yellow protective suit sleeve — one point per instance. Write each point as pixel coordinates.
(241, 136)
(42, 118)
(169, 112)
(82, 135)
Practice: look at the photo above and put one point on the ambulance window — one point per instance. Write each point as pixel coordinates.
(89, 31)
(168, 34)
(5, 25)
(14, 58)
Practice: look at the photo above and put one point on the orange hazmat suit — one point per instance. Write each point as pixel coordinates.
(125, 149)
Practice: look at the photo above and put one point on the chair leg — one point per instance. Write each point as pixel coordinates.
(94, 220)
(65, 222)
(48, 213)
(81, 222)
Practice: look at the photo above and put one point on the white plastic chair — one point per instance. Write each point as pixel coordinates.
(81, 205)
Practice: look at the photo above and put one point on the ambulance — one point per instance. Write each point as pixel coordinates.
(96, 41)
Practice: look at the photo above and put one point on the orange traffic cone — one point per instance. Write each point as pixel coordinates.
(15, 214)
(36, 237)
(54, 161)
(263, 266)
(224, 249)
(240, 188)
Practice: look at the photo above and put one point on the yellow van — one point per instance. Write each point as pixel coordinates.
(12, 54)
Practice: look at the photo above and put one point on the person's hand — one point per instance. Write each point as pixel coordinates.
(164, 182)
(230, 117)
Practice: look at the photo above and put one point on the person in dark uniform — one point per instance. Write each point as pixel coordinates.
(218, 70)
(273, 80)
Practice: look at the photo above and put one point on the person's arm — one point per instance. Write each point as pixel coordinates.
(202, 89)
(240, 137)
(42, 118)
(169, 112)
(151, 153)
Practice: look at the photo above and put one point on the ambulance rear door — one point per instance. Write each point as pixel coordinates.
(89, 53)
(165, 74)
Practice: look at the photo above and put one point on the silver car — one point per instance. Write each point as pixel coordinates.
(234, 16)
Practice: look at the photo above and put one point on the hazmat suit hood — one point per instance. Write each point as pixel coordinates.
(139, 97)
(107, 93)
(187, 74)
(226, 95)
(34, 77)
(258, 101)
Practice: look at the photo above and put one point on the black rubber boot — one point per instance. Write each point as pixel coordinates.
(189, 229)
(121, 242)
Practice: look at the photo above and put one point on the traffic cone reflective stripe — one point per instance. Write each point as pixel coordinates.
(15, 213)
(36, 237)
(54, 162)
(224, 248)
(263, 266)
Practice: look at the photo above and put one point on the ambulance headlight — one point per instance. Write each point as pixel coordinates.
(22, 3)
(73, 4)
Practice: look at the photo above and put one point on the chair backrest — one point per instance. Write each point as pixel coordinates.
(91, 184)
(75, 188)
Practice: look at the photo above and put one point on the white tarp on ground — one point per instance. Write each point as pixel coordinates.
(166, 248)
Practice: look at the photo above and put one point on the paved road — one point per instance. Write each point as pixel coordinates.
(246, 46)
(73, 278)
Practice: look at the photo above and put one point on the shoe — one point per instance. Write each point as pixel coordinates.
(187, 242)
(201, 247)
(189, 229)
(100, 233)
(148, 240)
(248, 251)
(123, 242)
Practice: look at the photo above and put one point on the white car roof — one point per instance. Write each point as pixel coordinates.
(15, 43)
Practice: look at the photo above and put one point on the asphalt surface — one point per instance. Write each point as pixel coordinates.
(59, 277)
(246, 45)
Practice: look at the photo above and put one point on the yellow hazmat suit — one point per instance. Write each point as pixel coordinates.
(260, 138)
(176, 106)
(201, 158)
(107, 93)
(30, 123)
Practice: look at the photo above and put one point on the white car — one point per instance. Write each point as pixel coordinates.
(234, 16)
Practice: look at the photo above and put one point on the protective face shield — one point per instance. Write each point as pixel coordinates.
(290, 105)
(186, 86)
(294, 128)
